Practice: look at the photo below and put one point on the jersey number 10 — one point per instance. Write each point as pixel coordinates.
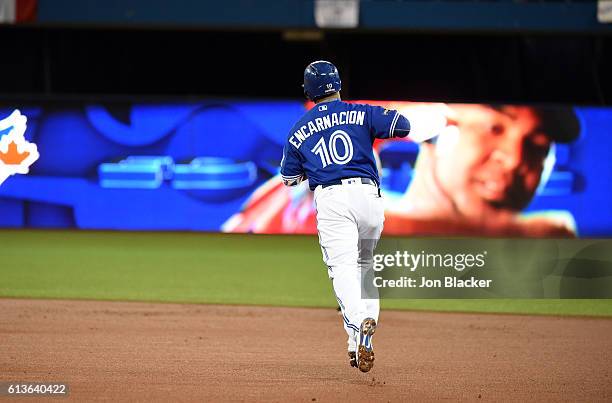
(329, 153)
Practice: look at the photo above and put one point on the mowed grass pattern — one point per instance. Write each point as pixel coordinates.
(203, 268)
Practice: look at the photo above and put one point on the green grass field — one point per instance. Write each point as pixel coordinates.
(203, 268)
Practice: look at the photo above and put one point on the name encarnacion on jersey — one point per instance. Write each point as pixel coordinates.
(326, 122)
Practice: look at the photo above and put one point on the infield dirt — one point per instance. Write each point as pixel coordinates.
(143, 352)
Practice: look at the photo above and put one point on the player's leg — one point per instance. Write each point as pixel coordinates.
(338, 237)
(346, 281)
(370, 218)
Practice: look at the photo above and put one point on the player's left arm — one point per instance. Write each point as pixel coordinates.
(292, 171)
(402, 126)
(388, 123)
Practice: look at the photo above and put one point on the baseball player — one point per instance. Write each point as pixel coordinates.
(331, 146)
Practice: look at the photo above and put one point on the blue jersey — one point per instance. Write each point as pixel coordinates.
(333, 141)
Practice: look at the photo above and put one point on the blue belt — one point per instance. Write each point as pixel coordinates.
(365, 181)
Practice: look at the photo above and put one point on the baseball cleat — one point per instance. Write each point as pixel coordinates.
(365, 351)
(352, 358)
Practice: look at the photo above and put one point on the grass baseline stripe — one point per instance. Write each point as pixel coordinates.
(204, 268)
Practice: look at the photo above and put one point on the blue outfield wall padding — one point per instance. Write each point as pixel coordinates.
(488, 15)
(213, 13)
(499, 15)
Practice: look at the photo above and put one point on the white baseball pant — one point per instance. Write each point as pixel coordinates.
(350, 219)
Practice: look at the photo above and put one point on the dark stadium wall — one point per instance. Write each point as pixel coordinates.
(94, 62)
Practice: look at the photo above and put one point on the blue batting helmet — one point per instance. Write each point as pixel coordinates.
(321, 79)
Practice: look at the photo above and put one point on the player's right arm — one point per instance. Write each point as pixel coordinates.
(292, 171)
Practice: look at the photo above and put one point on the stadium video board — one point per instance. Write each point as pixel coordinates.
(213, 165)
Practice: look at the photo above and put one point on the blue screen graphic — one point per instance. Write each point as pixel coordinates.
(193, 166)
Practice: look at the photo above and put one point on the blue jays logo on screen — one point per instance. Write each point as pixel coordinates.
(16, 153)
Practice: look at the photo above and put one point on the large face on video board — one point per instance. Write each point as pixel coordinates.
(494, 159)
